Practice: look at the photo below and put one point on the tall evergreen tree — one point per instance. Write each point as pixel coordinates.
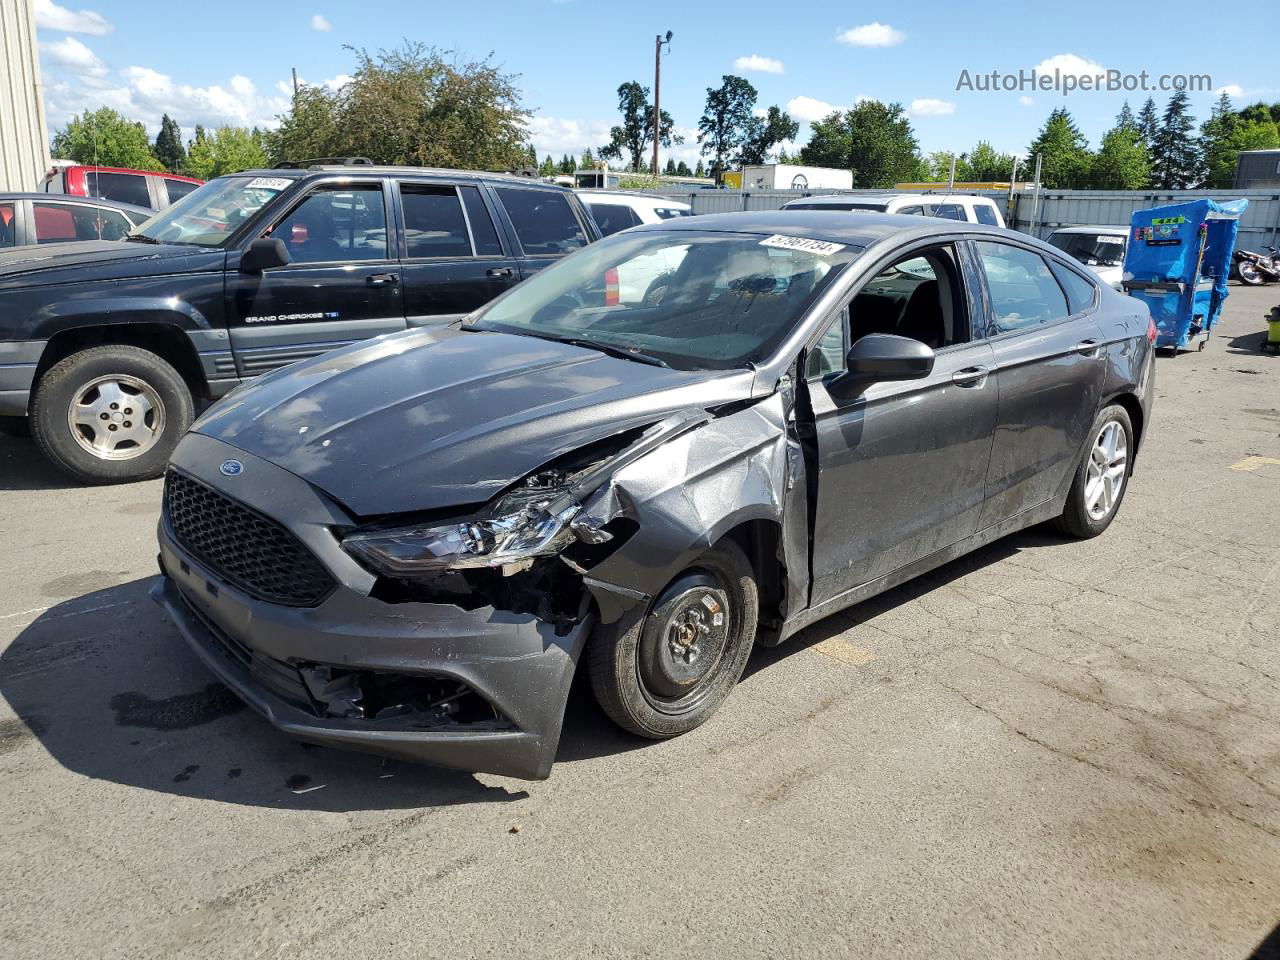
(1148, 124)
(1063, 150)
(1175, 155)
(587, 161)
(1125, 120)
(682, 170)
(701, 171)
(567, 165)
(168, 148)
(1216, 143)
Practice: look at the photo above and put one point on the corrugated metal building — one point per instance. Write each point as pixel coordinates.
(1257, 169)
(24, 138)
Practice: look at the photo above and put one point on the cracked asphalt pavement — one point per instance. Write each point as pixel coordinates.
(1047, 748)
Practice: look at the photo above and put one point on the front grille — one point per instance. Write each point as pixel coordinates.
(253, 553)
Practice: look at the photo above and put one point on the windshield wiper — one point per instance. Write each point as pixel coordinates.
(140, 238)
(613, 350)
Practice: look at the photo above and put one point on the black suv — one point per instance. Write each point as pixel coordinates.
(106, 347)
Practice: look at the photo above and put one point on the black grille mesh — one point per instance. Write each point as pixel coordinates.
(255, 554)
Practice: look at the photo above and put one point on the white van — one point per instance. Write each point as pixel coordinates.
(1100, 248)
(950, 206)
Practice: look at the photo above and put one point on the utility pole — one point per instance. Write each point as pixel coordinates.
(295, 89)
(659, 42)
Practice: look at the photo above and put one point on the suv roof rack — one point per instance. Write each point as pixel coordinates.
(323, 162)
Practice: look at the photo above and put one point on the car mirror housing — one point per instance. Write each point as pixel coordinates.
(263, 254)
(880, 357)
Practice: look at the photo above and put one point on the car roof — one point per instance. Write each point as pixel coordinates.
(147, 173)
(859, 231)
(1109, 229)
(627, 196)
(358, 169)
(76, 198)
(887, 197)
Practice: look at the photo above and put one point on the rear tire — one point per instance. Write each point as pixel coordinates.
(111, 414)
(667, 669)
(1102, 477)
(1250, 274)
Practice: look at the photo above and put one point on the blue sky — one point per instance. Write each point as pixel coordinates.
(232, 65)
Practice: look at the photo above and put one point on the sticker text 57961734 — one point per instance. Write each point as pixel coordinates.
(823, 248)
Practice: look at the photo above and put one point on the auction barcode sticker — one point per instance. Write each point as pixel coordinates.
(270, 183)
(823, 248)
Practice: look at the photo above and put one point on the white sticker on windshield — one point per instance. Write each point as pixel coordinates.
(1111, 241)
(823, 248)
(270, 183)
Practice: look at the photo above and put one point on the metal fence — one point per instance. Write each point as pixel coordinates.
(1259, 226)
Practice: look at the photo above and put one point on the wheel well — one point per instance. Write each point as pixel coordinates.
(1134, 409)
(163, 339)
(759, 540)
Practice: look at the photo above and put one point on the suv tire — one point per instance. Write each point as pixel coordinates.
(111, 414)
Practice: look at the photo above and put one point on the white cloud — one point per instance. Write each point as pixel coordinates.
(1027, 101)
(50, 16)
(809, 109)
(75, 58)
(1070, 65)
(759, 64)
(872, 35)
(930, 107)
(319, 22)
(561, 135)
(1233, 90)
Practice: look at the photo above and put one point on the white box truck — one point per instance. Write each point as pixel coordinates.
(788, 176)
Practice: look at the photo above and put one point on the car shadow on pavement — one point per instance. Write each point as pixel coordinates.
(24, 467)
(105, 685)
(1269, 948)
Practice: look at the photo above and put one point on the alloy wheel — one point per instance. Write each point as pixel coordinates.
(1106, 470)
(117, 417)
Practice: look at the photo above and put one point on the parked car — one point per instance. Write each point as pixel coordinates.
(407, 546)
(949, 206)
(1100, 248)
(31, 218)
(142, 188)
(106, 347)
(614, 212)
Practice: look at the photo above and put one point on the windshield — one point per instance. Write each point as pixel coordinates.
(688, 300)
(1091, 249)
(870, 206)
(208, 215)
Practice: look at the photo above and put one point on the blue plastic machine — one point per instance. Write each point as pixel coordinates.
(1177, 262)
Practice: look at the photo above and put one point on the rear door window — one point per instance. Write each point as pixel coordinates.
(949, 211)
(434, 224)
(613, 217)
(179, 188)
(61, 222)
(544, 222)
(8, 225)
(122, 187)
(484, 235)
(1023, 290)
(986, 214)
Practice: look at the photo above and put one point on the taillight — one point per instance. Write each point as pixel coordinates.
(1152, 333)
(611, 298)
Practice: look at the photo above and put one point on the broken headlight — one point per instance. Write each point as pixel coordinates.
(530, 522)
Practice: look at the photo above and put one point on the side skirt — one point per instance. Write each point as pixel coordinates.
(1046, 510)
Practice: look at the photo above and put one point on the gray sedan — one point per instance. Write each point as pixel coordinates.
(410, 545)
(33, 218)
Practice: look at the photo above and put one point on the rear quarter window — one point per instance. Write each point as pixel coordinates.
(543, 220)
(986, 214)
(179, 188)
(123, 187)
(612, 218)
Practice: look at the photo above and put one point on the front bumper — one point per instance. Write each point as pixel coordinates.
(517, 663)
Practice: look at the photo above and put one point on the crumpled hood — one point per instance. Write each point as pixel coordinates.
(439, 418)
(83, 260)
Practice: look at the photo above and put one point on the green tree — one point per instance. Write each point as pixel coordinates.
(682, 170)
(567, 165)
(874, 140)
(547, 168)
(1064, 152)
(670, 169)
(1261, 112)
(635, 133)
(169, 150)
(588, 161)
(1175, 154)
(412, 105)
(701, 171)
(765, 133)
(105, 138)
(1148, 125)
(226, 150)
(1121, 161)
(985, 164)
(1125, 120)
(725, 123)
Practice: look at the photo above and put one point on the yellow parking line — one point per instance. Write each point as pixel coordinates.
(1249, 464)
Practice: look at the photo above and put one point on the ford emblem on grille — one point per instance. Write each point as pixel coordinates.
(230, 468)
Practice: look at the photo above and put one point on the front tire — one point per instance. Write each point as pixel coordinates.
(668, 669)
(1250, 274)
(110, 414)
(1101, 478)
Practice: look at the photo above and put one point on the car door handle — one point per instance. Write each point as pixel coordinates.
(1086, 346)
(499, 272)
(970, 376)
(377, 279)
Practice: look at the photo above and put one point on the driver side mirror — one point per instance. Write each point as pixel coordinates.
(263, 254)
(881, 357)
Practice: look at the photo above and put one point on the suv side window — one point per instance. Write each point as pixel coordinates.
(612, 217)
(919, 296)
(949, 211)
(986, 214)
(122, 187)
(1023, 290)
(543, 220)
(178, 189)
(434, 224)
(335, 223)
